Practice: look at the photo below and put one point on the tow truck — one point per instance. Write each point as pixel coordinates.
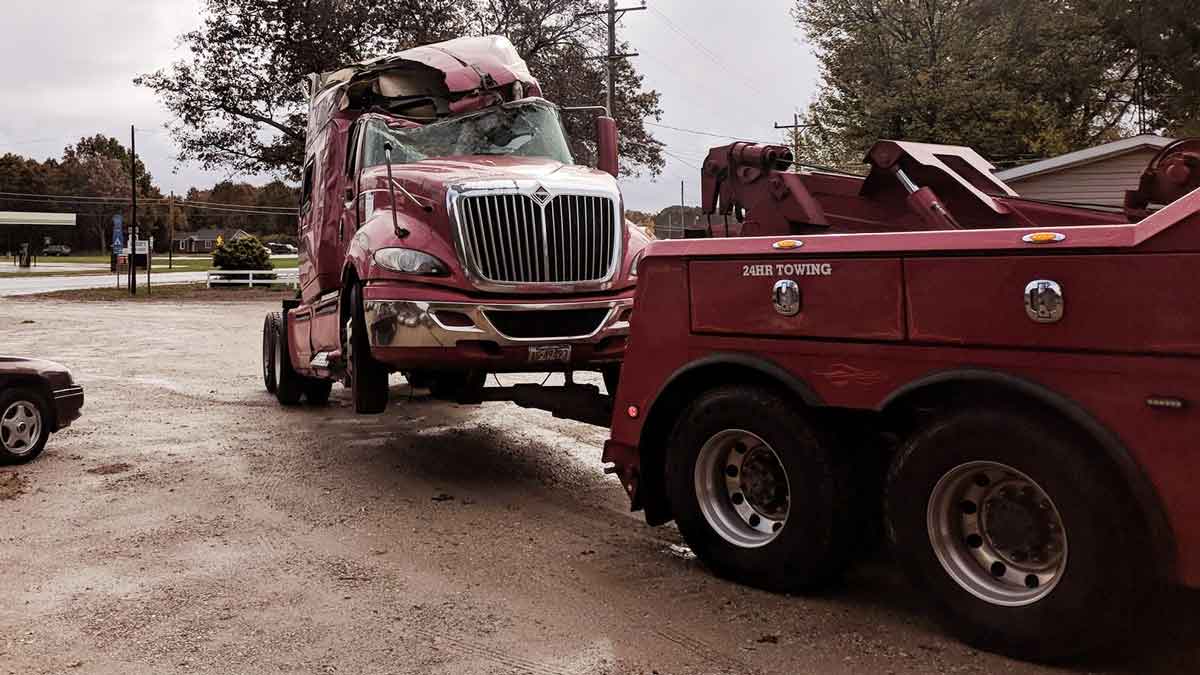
(1006, 389)
(447, 232)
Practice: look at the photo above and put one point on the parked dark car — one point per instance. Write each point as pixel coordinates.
(57, 249)
(278, 248)
(37, 398)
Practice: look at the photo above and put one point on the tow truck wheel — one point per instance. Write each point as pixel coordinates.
(368, 378)
(757, 492)
(1023, 540)
(289, 385)
(270, 328)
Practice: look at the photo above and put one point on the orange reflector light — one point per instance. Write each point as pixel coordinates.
(1043, 237)
(787, 243)
(632, 411)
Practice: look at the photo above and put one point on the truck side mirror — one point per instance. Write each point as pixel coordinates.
(606, 145)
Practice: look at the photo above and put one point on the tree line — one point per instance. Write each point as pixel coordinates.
(92, 179)
(1017, 80)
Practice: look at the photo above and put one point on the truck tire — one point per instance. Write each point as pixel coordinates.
(289, 385)
(269, 340)
(316, 390)
(1021, 536)
(465, 387)
(24, 425)
(757, 492)
(368, 378)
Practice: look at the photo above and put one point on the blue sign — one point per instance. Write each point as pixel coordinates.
(118, 240)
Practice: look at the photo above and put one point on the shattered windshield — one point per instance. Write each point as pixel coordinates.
(525, 129)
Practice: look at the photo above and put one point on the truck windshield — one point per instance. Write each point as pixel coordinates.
(526, 129)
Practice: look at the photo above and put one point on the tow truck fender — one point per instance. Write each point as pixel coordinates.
(666, 404)
(1020, 390)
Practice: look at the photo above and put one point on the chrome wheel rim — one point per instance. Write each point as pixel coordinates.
(997, 533)
(20, 427)
(742, 488)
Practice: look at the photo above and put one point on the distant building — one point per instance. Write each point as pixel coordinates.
(1097, 175)
(204, 241)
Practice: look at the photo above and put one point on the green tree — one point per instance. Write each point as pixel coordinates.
(1015, 79)
(238, 103)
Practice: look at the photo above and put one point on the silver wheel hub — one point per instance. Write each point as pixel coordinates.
(997, 533)
(742, 488)
(20, 427)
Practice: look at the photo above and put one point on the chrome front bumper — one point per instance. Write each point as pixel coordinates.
(405, 323)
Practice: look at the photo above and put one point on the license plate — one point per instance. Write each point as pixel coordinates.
(547, 353)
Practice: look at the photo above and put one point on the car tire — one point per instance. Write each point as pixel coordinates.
(465, 387)
(289, 385)
(25, 423)
(270, 342)
(1019, 532)
(368, 377)
(758, 492)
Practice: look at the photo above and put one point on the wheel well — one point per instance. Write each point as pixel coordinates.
(908, 409)
(683, 388)
(40, 387)
(349, 279)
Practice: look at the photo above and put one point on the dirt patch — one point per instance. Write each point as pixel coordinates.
(109, 469)
(12, 485)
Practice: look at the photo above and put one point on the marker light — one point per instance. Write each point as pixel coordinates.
(1043, 238)
(632, 411)
(786, 244)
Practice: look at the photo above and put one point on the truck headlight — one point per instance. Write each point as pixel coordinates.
(408, 261)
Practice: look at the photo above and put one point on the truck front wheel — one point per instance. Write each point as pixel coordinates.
(1018, 532)
(289, 385)
(368, 378)
(270, 338)
(758, 493)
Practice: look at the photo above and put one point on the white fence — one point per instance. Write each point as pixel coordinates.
(252, 277)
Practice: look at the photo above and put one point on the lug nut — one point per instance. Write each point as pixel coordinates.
(777, 527)
(731, 471)
(754, 520)
(974, 540)
(737, 498)
(998, 569)
(982, 480)
(968, 507)
(1031, 581)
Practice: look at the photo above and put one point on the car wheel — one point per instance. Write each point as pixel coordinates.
(24, 425)
(270, 339)
(368, 377)
(1022, 538)
(289, 385)
(758, 493)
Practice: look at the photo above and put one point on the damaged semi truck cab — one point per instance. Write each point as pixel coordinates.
(447, 232)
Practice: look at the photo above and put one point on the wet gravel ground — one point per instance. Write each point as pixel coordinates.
(187, 523)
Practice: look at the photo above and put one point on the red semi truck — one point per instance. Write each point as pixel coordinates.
(446, 232)
(1008, 386)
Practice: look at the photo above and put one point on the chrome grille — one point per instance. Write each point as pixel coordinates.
(509, 238)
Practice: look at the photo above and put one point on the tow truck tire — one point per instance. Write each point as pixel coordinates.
(465, 387)
(757, 491)
(270, 328)
(24, 425)
(289, 385)
(368, 378)
(1020, 534)
(316, 390)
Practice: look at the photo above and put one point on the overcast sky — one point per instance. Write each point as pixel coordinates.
(722, 67)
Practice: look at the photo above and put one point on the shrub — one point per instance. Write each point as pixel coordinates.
(242, 254)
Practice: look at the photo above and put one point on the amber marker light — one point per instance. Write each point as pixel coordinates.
(785, 244)
(1043, 237)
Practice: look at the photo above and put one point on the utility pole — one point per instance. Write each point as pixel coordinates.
(171, 231)
(133, 213)
(682, 220)
(613, 15)
(794, 132)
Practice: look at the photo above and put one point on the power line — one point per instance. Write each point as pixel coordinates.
(700, 47)
(681, 159)
(705, 133)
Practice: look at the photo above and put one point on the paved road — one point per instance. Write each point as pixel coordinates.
(29, 285)
(187, 523)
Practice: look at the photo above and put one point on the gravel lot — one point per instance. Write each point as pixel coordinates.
(187, 523)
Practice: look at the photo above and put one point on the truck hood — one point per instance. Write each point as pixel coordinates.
(432, 177)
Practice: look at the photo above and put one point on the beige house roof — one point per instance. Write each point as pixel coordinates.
(1085, 156)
